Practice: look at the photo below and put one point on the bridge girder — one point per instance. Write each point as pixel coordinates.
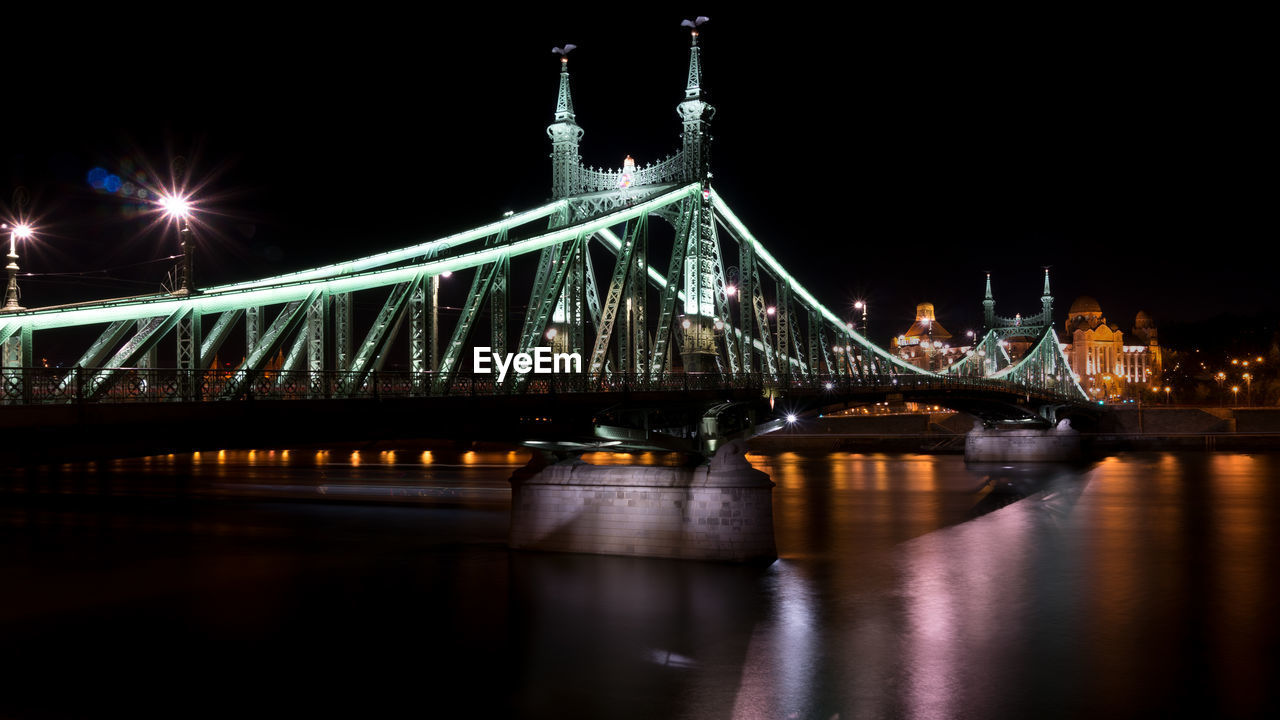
(315, 320)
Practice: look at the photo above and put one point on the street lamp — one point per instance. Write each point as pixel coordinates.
(1248, 389)
(177, 207)
(1220, 377)
(1235, 392)
(20, 231)
(1167, 389)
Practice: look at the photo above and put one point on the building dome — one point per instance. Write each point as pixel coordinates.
(926, 325)
(1084, 305)
(1143, 320)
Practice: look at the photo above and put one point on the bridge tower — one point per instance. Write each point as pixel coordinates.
(565, 136)
(1028, 326)
(696, 114)
(1046, 300)
(702, 255)
(988, 308)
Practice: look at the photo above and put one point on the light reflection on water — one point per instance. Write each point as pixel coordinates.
(908, 586)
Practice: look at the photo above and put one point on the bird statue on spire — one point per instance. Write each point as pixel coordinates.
(564, 51)
(693, 26)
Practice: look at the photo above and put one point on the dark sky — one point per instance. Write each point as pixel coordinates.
(889, 157)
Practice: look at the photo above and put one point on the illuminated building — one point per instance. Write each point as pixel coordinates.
(1106, 366)
(926, 343)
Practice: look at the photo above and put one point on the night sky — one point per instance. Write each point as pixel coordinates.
(887, 158)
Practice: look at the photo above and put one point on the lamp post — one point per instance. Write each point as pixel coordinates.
(1220, 377)
(731, 294)
(1248, 389)
(177, 208)
(928, 344)
(770, 312)
(20, 231)
(860, 305)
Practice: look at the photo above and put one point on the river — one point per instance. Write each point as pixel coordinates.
(377, 583)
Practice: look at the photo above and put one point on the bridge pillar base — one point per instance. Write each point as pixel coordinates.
(1060, 444)
(722, 510)
(698, 353)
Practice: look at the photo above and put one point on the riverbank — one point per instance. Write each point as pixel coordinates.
(1123, 428)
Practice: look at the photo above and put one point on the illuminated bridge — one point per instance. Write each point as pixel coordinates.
(672, 353)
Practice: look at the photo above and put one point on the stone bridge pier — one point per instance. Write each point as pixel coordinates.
(721, 509)
(1000, 444)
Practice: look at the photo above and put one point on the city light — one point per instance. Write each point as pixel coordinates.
(20, 231)
(175, 206)
(373, 353)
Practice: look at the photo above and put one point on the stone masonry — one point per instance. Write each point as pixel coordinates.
(718, 511)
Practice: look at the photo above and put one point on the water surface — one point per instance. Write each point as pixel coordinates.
(377, 583)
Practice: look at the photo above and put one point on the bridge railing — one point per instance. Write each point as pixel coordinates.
(49, 386)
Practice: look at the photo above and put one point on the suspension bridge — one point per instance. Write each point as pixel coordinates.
(670, 353)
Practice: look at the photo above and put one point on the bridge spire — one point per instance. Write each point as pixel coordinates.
(565, 135)
(1046, 300)
(696, 113)
(989, 307)
(694, 87)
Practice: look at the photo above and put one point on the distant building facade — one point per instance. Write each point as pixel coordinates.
(926, 344)
(1105, 364)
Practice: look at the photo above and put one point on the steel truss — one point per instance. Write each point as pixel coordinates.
(609, 325)
(1045, 367)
